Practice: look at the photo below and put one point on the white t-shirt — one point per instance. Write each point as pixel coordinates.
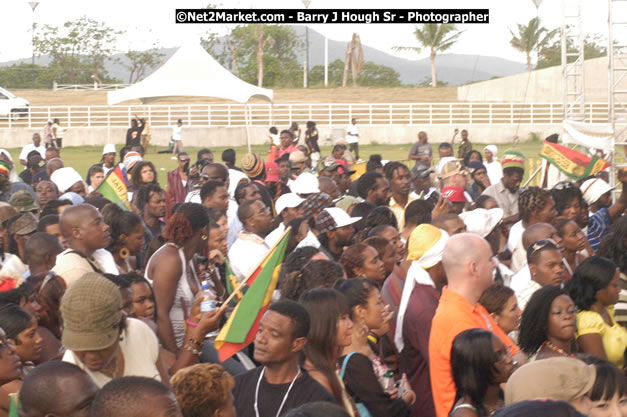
(515, 245)
(351, 131)
(176, 132)
(140, 349)
(494, 171)
(29, 148)
(246, 253)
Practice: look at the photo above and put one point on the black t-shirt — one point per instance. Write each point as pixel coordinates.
(305, 390)
(311, 139)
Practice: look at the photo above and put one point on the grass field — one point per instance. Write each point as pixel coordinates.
(82, 157)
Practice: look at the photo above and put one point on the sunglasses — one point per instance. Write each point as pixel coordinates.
(184, 160)
(540, 245)
(564, 185)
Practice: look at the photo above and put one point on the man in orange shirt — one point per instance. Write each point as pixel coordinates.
(469, 273)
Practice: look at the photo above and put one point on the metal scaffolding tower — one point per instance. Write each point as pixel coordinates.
(573, 61)
(617, 93)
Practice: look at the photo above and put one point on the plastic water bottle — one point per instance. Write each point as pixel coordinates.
(388, 383)
(208, 302)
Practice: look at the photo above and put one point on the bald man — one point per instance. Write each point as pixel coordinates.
(53, 165)
(41, 251)
(85, 234)
(469, 268)
(57, 388)
(329, 186)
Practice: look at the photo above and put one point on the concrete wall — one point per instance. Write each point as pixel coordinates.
(236, 136)
(544, 85)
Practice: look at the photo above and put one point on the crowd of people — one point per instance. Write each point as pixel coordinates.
(439, 288)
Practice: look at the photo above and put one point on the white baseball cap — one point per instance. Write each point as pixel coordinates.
(306, 183)
(593, 189)
(333, 218)
(289, 200)
(108, 148)
(481, 221)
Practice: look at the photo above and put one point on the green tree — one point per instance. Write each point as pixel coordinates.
(21, 76)
(426, 82)
(436, 37)
(594, 46)
(335, 74)
(141, 61)
(78, 49)
(273, 50)
(531, 37)
(372, 75)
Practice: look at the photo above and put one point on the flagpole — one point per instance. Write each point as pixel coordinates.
(225, 303)
(533, 175)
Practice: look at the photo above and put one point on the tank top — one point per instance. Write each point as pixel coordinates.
(183, 299)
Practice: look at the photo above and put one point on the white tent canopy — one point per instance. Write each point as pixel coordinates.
(191, 71)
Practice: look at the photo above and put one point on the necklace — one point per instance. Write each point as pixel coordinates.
(284, 397)
(554, 348)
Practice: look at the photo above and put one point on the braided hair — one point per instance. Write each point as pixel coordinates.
(319, 273)
(353, 258)
(531, 200)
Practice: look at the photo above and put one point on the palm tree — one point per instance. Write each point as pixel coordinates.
(262, 41)
(531, 37)
(354, 59)
(438, 38)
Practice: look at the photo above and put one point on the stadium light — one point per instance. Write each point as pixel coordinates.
(306, 3)
(33, 5)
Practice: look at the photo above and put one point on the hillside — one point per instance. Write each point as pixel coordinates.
(454, 69)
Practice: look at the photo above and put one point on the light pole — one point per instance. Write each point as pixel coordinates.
(33, 5)
(306, 3)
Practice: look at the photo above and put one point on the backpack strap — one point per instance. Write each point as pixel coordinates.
(344, 363)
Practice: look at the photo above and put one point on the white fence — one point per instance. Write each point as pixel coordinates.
(82, 87)
(281, 115)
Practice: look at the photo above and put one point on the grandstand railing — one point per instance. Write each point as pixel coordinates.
(339, 114)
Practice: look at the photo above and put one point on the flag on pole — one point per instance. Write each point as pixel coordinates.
(572, 163)
(114, 189)
(14, 405)
(241, 327)
(231, 280)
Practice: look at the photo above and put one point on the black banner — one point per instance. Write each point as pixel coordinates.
(328, 16)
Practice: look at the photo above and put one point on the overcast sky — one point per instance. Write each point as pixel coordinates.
(148, 20)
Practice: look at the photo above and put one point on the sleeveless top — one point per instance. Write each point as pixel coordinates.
(457, 407)
(183, 299)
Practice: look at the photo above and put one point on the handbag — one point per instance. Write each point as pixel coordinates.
(361, 407)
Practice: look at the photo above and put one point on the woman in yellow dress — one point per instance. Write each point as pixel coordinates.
(594, 289)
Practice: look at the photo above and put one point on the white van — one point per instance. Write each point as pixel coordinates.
(12, 105)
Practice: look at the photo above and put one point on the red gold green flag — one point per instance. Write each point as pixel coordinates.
(572, 163)
(113, 188)
(241, 327)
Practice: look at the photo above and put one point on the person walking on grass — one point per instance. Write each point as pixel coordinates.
(352, 137)
(176, 139)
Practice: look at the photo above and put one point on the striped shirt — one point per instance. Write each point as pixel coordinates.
(598, 226)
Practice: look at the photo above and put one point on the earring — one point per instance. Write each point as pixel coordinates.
(204, 237)
(124, 253)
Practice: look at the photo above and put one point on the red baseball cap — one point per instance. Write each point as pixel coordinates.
(272, 172)
(454, 194)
